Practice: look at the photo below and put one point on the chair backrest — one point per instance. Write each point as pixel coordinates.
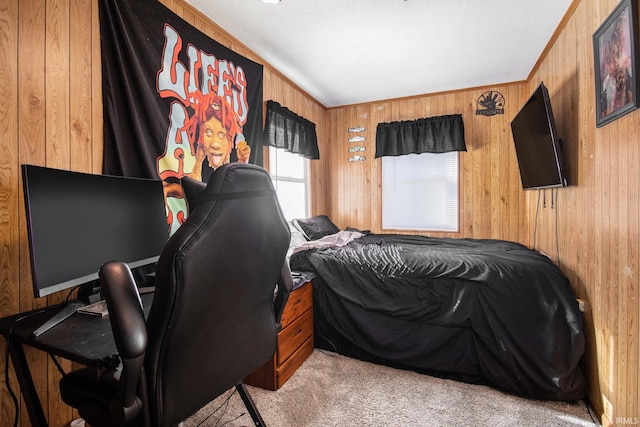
(212, 319)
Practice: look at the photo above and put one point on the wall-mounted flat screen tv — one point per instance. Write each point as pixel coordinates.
(537, 145)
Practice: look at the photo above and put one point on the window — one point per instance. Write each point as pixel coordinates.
(420, 192)
(290, 175)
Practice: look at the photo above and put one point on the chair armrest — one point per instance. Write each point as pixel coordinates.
(285, 284)
(129, 327)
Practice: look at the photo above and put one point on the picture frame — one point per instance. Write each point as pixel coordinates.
(615, 52)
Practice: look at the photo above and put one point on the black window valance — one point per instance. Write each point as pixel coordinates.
(430, 135)
(285, 129)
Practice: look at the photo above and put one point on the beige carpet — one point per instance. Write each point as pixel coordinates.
(333, 390)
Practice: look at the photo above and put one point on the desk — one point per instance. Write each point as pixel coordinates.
(81, 338)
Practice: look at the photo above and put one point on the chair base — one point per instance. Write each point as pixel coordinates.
(251, 407)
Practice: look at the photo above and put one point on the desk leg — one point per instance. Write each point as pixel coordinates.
(29, 393)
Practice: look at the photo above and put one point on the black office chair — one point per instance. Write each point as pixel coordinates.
(214, 317)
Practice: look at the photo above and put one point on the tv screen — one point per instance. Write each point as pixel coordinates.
(76, 222)
(537, 144)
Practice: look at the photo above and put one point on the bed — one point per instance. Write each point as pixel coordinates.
(482, 311)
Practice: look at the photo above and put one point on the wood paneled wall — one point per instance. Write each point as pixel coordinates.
(51, 114)
(491, 201)
(598, 216)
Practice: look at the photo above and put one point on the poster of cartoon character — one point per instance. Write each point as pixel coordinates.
(176, 103)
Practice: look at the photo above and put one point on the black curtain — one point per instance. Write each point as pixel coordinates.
(285, 129)
(429, 135)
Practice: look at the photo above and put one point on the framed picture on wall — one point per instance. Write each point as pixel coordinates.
(615, 46)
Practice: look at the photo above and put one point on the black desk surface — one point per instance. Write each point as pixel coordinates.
(81, 338)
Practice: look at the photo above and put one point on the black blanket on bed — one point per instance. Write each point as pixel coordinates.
(482, 311)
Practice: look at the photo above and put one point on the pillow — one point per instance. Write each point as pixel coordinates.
(316, 227)
(357, 230)
(297, 237)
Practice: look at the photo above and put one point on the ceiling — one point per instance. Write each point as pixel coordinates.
(344, 52)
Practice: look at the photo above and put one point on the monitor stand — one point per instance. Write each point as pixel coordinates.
(65, 312)
(87, 294)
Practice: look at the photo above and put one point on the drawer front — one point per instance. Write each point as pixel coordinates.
(299, 301)
(289, 367)
(294, 335)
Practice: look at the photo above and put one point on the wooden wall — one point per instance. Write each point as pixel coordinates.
(51, 115)
(491, 201)
(598, 216)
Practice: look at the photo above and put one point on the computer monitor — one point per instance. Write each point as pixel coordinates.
(77, 221)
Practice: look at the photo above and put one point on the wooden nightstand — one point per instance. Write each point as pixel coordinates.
(295, 342)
